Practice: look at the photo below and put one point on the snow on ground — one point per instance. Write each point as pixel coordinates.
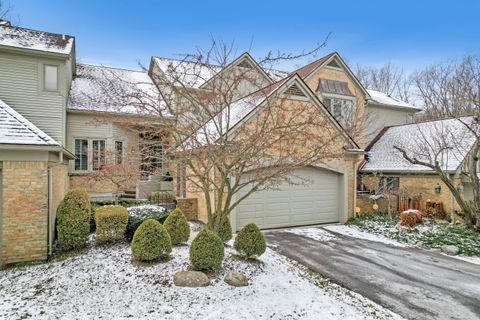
(475, 260)
(353, 231)
(313, 233)
(105, 283)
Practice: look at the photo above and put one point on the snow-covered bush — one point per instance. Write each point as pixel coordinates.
(250, 241)
(206, 251)
(73, 219)
(177, 227)
(111, 223)
(138, 214)
(151, 241)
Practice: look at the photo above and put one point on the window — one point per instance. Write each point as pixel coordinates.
(388, 184)
(98, 154)
(341, 109)
(50, 82)
(81, 154)
(118, 152)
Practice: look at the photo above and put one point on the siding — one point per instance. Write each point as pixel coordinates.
(380, 117)
(20, 87)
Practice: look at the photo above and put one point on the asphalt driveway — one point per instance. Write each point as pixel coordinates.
(414, 283)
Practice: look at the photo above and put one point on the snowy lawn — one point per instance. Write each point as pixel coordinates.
(103, 282)
(429, 235)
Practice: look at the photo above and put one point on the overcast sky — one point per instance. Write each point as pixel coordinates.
(120, 33)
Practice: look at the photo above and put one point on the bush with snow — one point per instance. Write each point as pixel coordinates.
(73, 219)
(177, 227)
(111, 223)
(206, 251)
(138, 214)
(151, 242)
(250, 241)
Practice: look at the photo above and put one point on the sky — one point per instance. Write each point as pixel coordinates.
(410, 34)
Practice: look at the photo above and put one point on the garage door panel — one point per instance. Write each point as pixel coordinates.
(290, 205)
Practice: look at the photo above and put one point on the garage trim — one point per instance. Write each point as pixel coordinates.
(343, 196)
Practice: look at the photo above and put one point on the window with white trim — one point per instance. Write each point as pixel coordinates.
(50, 77)
(342, 109)
(98, 154)
(81, 154)
(118, 152)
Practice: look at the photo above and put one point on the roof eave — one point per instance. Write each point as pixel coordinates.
(36, 52)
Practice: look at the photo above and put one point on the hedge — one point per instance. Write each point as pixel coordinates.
(250, 241)
(225, 231)
(111, 223)
(206, 251)
(73, 219)
(138, 214)
(151, 242)
(177, 227)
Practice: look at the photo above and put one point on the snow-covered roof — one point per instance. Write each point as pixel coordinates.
(15, 129)
(105, 89)
(16, 37)
(194, 75)
(384, 99)
(450, 139)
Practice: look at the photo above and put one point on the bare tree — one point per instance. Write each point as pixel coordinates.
(388, 78)
(221, 149)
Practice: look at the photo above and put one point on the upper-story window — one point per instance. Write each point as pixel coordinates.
(341, 109)
(50, 74)
(338, 99)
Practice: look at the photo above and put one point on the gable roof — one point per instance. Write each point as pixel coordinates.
(15, 129)
(21, 38)
(106, 89)
(420, 140)
(308, 69)
(383, 99)
(244, 107)
(195, 75)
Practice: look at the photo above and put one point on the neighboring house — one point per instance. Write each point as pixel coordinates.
(60, 120)
(35, 75)
(386, 170)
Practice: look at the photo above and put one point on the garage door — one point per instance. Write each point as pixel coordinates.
(315, 201)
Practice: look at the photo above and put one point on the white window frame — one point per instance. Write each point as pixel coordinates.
(340, 97)
(57, 67)
(89, 153)
(122, 156)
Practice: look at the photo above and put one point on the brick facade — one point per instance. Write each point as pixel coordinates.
(24, 211)
(189, 207)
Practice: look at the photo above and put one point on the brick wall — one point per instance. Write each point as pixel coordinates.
(25, 211)
(189, 206)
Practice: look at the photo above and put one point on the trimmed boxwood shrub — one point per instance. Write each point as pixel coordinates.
(151, 241)
(225, 232)
(111, 222)
(250, 241)
(138, 214)
(206, 251)
(177, 227)
(73, 219)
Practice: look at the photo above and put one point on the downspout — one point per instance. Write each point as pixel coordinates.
(354, 187)
(50, 213)
(452, 203)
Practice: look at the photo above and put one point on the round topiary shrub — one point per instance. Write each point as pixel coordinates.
(73, 219)
(225, 231)
(138, 214)
(250, 241)
(111, 223)
(177, 227)
(206, 251)
(151, 242)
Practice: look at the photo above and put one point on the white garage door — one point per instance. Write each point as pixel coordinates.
(315, 201)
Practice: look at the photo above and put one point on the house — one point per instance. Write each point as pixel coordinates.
(61, 120)
(385, 169)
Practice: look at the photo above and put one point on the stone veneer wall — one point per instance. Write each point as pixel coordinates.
(189, 206)
(25, 211)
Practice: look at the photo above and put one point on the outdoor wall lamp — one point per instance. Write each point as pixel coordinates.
(438, 188)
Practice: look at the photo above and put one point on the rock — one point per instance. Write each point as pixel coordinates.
(236, 279)
(436, 250)
(190, 279)
(450, 250)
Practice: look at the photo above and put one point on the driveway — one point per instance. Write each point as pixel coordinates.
(414, 283)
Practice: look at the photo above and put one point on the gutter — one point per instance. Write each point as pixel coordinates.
(28, 147)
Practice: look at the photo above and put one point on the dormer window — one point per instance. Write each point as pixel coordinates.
(342, 109)
(50, 77)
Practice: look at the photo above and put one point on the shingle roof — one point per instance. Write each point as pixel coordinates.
(423, 141)
(305, 71)
(105, 89)
(16, 37)
(384, 99)
(194, 75)
(15, 129)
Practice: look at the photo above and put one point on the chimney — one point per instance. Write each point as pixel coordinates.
(5, 23)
